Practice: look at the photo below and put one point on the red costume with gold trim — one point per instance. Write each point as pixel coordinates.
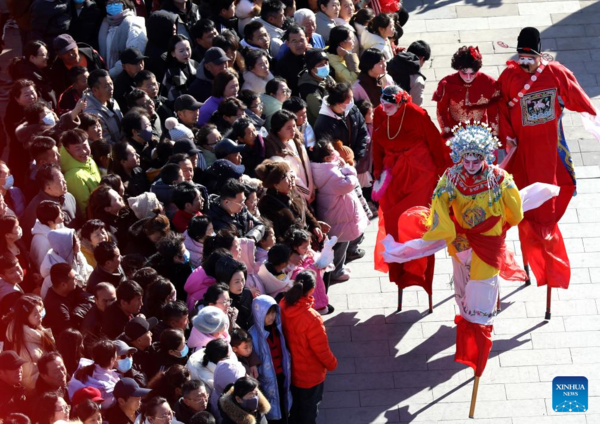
(416, 156)
(459, 102)
(530, 112)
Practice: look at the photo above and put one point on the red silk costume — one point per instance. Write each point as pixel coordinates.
(416, 157)
(541, 156)
(459, 102)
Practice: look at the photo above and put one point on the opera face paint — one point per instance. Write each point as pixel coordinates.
(389, 108)
(472, 163)
(528, 62)
(467, 75)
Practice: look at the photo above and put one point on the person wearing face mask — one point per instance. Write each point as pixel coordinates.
(120, 29)
(13, 196)
(172, 350)
(124, 365)
(534, 93)
(314, 80)
(468, 95)
(409, 152)
(244, 402)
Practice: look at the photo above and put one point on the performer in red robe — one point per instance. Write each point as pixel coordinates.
(468, 95)
(408, 146)
(530, 120)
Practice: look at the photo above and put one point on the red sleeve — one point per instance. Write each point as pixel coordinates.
(505, 124)
(570, 91)
(437, 145)
(443, 107)
(378, 151)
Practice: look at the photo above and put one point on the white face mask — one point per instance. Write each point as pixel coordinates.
(49, 119)
(389, 108)
(348, 107)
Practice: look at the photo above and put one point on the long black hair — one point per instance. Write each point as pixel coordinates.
(305, 281)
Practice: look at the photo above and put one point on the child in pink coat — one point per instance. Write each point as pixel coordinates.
(337, 202)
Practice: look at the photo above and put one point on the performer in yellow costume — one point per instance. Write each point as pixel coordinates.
(473, 206)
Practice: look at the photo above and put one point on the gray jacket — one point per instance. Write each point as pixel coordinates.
(110, 117)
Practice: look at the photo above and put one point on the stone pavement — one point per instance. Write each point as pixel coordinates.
(398, 367)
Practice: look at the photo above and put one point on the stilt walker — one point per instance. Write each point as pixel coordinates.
(534, 92)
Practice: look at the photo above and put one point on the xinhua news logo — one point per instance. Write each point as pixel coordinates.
(570, 394)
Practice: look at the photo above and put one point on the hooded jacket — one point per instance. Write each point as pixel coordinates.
(61, 242)
(196, 285)
(351, 129)
(160, 29)
(405, 69)
(185, 19)
(308, 343)
(233, 413)
(267, 376)
(337, 203)
(40, 245)
(82, 178)
(368, 40)
(131, 32)
(245, 224)
(68, 206)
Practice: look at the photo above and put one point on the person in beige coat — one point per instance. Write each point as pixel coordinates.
(26, 336)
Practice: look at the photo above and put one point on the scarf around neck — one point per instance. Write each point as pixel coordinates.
(117, 19)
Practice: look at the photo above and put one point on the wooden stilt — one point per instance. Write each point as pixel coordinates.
(430, 304)
(548, 302)
(399, 299)
(474, 397)
(528, 281)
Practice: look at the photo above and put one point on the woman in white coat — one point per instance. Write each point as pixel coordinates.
(121, 29)
(378, 33)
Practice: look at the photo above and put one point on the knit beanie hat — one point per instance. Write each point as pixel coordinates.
(144, 204)
(272, 172)
(345, 152)
(178, 131)
(210, 320)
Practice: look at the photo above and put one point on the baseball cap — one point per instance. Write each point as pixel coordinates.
(9, 360)
(185, 146)
(226, 147)
(84, 393)
(123, 348)
(138, 326)
(314, 56)
(63, 43)
(186, 102)
(216, 55)
(127, 387)
(223, 169)
(131, 56)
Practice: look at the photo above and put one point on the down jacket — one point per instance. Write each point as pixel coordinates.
(351, 129)
(232, 413)
(266, 371)
(308, 343)
(196, 285)
(82, 178)
(337, 203)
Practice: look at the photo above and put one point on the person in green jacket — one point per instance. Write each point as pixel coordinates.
(81, 172)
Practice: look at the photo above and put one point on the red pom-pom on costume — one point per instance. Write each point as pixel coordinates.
(389, 6)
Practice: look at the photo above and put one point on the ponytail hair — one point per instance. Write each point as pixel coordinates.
(215, 351)
(305, 281)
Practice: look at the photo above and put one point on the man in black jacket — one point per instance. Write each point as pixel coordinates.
(228, 211)
(91, 328)
(129, 303)
(108, 266)
(293, 61)
(133, 62)
(215, 61)
(12, 393)
(65, 302)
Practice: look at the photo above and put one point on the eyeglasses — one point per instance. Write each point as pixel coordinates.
(64, 408)
(169, 416)
(258, 106)
(287, 91)
(225, 302)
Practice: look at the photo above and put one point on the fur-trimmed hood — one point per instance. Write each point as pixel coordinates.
(231, 409)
